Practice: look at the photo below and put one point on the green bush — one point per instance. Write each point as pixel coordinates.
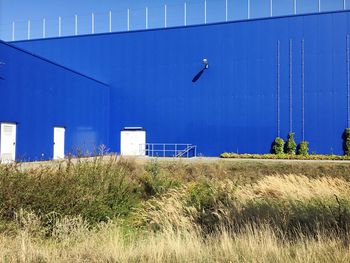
(285, 156)
(212, 202)
(278, 146)
(303, 148)
(290, 146)
(346, 142)
(154, 182)
(95, 190)
(201, 195)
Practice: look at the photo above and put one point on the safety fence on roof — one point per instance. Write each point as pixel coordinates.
(151, 17)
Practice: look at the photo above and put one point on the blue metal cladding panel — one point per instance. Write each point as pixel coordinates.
(38, 95)
(233, 105)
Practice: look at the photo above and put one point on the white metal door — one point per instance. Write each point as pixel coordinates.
(132, 142)
(58, 142)
(7, 142)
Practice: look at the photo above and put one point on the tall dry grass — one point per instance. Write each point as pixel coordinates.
(121, 211)
(292, 204)
(109, 243)
(296, 188)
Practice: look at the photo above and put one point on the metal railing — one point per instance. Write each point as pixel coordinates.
(168, 150)
(187, 13)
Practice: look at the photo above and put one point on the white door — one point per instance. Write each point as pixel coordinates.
(8, 142)
(58, 142)
(132, 142)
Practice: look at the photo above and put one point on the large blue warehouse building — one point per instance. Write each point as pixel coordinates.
(266, 77)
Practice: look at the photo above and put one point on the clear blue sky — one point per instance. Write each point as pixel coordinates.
(35, 10)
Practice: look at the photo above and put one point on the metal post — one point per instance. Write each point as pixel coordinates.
(319, 6)
(290, 85)
(165, 16)
(163, 150)
(92, 23)
(76, 25)
(175, 150)
(59, 26)
(226, 10)
(44, 27)
(344, 4)
(278, 87)
(348, 78)
(146, 17)
(28, 29)
(13, 31)
(271, 8)
(185, 14)
(302, 91)
(128, 15)
(248, 2)
(205, 11)
(110, 21)
(295, 7)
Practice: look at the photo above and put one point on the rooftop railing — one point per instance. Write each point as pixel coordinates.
(150, 17)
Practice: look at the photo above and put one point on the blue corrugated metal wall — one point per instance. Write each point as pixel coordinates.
(38, 95)
(233, 105)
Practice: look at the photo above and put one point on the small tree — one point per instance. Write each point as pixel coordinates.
(278, 146)
(291, 146)
(303, 148)
(346, 141)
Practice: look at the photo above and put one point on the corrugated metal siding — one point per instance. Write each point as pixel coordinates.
(39, 95)
(233, 106)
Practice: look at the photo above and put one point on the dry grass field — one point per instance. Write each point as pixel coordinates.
(119, 210)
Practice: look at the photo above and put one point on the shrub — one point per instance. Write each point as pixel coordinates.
(346, 142)
(96, 190)
(154, 181)
(303, 148)
(277, 146)
(290, 145)
(284, 156)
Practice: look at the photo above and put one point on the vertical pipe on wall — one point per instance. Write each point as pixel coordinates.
(205, 11)
(146, 17)
(271, 8)
(290, 85)
(226, 10)
(44, 27)
(59, 26)
(128, 19)
(348, 78)
(344, 4)
(319, 6)
(248, 8)
(28, 30)
(303, 90)
(110, 21)
(165, 16)
(278, 87)
(13, 31)
(185, 14)
(92, 23)
(76, 25)
(295, 7)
